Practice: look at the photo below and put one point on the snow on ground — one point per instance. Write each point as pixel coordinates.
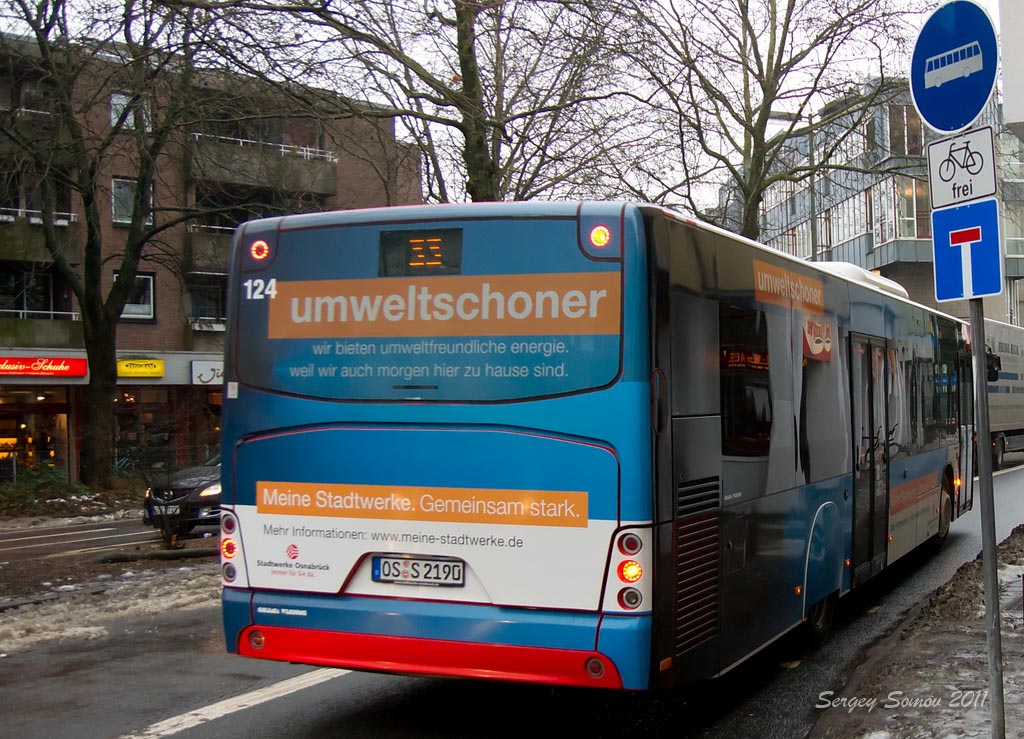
(80, 613)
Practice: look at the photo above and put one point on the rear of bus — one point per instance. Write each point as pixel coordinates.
(437, 443)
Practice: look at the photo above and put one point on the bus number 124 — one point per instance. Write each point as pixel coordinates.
(258, 289)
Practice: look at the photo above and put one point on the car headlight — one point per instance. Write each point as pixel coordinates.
(210, 490)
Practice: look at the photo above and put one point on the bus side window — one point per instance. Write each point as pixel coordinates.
(745, 386)
(824, 396)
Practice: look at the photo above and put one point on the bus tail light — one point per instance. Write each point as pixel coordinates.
(630, 544)
(630, 570)
(259, 250)
(628, 584)
(630, 599)
(232, 559)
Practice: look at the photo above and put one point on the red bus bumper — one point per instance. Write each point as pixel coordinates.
(404, 654)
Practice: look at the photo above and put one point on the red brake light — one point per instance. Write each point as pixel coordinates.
(259, 250)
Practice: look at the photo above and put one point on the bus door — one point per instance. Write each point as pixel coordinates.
(965, 397)
(870, 456)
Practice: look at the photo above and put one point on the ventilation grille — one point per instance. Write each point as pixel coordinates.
(697, 547)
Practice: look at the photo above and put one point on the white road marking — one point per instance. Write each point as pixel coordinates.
(67, 533)
(239, 702)
(147, 534)
(88, 550)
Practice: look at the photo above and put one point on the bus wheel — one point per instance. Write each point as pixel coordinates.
(818, 625)
(997, 453)
(945, 514)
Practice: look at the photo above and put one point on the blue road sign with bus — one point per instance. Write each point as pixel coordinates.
(966, 250)
(953, 69)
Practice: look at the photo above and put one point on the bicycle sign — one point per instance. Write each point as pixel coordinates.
(961, 168)
(960, 157)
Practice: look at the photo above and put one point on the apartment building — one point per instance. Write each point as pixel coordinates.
(230, 165)
(872, 205)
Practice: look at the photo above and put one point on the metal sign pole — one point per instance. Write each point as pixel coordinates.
(993, 631)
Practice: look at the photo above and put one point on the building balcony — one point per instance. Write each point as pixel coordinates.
(263, 165)
(210, 248)
(41, 330)
(22, 240)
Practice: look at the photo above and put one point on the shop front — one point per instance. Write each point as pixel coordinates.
(37, 413)
(166, 411)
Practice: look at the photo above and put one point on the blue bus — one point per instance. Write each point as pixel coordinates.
(590, 444)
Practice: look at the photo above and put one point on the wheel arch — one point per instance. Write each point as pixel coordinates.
(823, 559)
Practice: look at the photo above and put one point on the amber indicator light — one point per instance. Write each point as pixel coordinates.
(600, 236)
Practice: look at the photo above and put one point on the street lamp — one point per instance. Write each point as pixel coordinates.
(783, 116)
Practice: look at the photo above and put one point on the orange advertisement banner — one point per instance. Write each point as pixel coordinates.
(910, 493)
(576, 303)
(779, 286)
(404, 503)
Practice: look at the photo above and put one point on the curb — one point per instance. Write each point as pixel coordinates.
(157, 554)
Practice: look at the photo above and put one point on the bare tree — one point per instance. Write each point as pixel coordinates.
(506, 99)
(720, 73)
(97, 75)
(111, 109)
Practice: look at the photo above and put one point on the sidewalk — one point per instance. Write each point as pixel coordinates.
(929, 678)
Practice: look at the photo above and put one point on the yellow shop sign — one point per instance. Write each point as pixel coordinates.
(140, 368)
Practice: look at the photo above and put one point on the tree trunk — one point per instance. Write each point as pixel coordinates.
(97, 437)
(481, 179)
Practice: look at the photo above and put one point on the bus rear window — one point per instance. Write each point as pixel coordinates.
(467, 311)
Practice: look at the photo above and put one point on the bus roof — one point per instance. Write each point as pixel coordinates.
(569, 209)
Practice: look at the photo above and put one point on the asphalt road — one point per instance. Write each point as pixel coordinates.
(78, 539)
(169, 675)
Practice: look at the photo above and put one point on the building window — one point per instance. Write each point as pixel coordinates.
(25, 293)
(884, 210)
(1013, 228)
(209, 295)
(21, 197)
(1012, 155)
(123, 191)
(906, 133)
(141, 303)
(914, 209)
(915, 132)
(137, 115)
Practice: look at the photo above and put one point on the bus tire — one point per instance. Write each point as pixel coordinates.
(998, 450)
(816, 628)
(945, 514)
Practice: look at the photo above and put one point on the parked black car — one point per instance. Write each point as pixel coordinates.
(187, 498)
